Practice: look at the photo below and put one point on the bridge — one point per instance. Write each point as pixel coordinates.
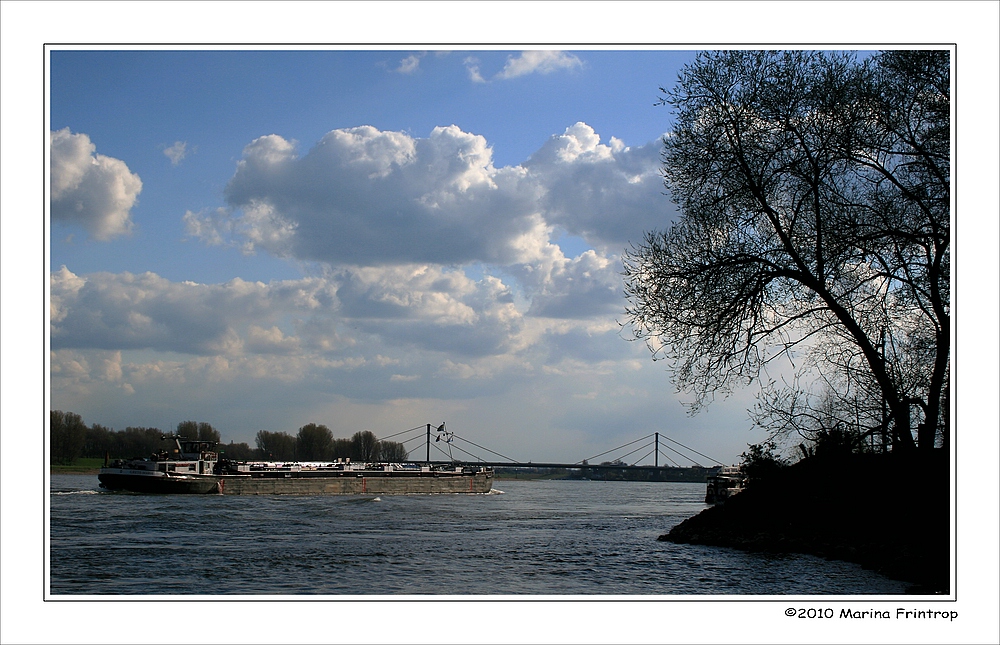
(446, 443)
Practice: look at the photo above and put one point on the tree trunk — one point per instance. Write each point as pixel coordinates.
(902, 437)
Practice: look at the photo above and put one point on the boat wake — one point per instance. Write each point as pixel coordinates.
(76, 492)
(494, 491)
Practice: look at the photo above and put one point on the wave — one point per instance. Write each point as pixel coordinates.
(75, 492)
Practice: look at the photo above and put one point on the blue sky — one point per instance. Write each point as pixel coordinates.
(372, 240)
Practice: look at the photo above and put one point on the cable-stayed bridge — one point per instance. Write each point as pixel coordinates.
(437, 445)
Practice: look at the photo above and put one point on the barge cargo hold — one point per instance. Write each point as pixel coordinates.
(195, 468)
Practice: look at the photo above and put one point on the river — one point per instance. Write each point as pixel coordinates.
(548, 538)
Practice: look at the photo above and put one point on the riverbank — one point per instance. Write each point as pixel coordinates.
(889, 513)
(80, 466)
(70, 470)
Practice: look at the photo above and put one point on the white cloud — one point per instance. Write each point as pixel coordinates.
(410, 64)
(422, 307)
(176, 152)
(362, 196)
(366, 197)
(472, 66)
(384, 324)
(206, 228)
(607, 193)
(430, 309)
(586, 286)
(90, 190)
(372, 205)
(82, 371)
(540, 62)
(147, 311)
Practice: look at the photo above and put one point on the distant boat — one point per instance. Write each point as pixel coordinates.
(729, 481)
(194, 467)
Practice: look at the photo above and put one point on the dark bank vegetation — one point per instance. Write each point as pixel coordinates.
(813, 191)
(846, 507)
(71, 440)
(841, 499)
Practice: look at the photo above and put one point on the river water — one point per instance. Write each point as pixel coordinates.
(527, 537)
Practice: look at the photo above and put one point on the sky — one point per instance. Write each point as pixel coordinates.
(367, 239)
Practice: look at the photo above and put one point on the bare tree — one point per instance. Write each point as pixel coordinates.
(822, 415)
(364, 446)
(313, 442)
(275, 445)
(814, 192)
(198, 430)
(392, 451)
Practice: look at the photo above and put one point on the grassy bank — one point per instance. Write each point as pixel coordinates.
(81, 466)
(889, 513)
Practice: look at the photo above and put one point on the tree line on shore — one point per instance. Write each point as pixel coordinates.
(70, 439)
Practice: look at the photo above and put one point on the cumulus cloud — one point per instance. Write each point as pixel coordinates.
(91, 190)
(371, 205)
(416, 330)
(608, 193)
(82, 370)
(538, 62)
(366, 197)
(430, 308)
(370, 334)
(582, 287)
(472, 67)
(410, 64)
(176, 152)
(147, 311)
(425, 308)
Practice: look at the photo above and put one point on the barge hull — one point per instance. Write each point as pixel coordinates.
(353, 484)
(422, 484)
(195, 484)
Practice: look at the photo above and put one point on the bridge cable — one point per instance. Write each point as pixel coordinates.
(450, 446)
(636, 450)
(444, 453)
(684, 456)
(613, 449)
(486, 449)
(477, 457)
(667, 457)
(692, 450)
(456, 448)
(399, 433)
(643, 457)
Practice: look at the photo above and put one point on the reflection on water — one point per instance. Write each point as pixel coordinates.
(529, 537)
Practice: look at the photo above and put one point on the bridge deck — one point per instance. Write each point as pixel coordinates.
(508, 464)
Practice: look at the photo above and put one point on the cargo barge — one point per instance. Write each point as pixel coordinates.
(194, 467)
